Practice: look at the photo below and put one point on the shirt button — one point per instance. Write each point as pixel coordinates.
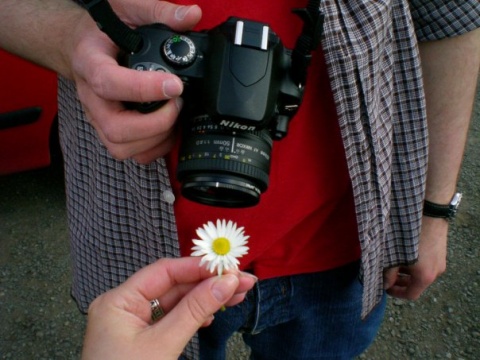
(168, 196)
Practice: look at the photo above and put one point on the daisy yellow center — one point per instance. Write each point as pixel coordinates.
(221, 246)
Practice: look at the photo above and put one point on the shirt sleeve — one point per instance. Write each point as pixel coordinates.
(438, 19)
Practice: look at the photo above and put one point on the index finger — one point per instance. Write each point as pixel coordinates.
(156, 279)
(178, 17)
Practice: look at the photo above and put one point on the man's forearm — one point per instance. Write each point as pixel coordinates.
(38, 30)
(450, 68)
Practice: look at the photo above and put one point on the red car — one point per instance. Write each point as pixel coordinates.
(28, 112)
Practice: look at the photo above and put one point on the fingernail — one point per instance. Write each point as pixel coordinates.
(172, 88)
(179, 103)
(181, 12)
(247, 274)
(222, 288)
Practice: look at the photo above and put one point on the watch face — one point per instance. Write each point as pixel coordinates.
(456, 200)
(454, 204)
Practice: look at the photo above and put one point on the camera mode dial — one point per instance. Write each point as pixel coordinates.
(179, 50)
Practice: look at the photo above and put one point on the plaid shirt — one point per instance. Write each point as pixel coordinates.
(120, 213)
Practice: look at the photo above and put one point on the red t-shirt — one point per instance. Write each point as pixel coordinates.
(305, 221)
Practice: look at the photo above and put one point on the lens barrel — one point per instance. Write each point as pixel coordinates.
(221, 166)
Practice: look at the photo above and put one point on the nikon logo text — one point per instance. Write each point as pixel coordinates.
(235, 125)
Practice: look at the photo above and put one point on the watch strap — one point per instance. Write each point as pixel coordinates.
(436, 210)
(445, 211)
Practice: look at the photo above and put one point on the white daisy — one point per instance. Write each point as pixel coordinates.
(220, 245)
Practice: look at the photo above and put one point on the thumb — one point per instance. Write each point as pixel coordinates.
(196, 308)
(389, 277)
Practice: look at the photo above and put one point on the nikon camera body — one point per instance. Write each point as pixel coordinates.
(238, 96)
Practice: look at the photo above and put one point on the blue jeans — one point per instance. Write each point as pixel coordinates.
(310, 316)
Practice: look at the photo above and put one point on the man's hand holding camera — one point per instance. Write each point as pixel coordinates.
(103, 85)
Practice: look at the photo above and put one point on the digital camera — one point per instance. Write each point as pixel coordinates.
(239, 95)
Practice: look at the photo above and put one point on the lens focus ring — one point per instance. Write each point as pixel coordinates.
(259, 176)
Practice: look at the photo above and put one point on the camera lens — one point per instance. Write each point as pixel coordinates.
(223, 166)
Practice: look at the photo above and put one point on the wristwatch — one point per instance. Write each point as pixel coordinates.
(447, 211)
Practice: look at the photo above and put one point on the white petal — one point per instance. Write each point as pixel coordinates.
(237, 233)
(203, 261)
(239, 251)
(212, 265)
(220, 228)
(204, 235)
(200, 244)
(198, 253)
(211, 230)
